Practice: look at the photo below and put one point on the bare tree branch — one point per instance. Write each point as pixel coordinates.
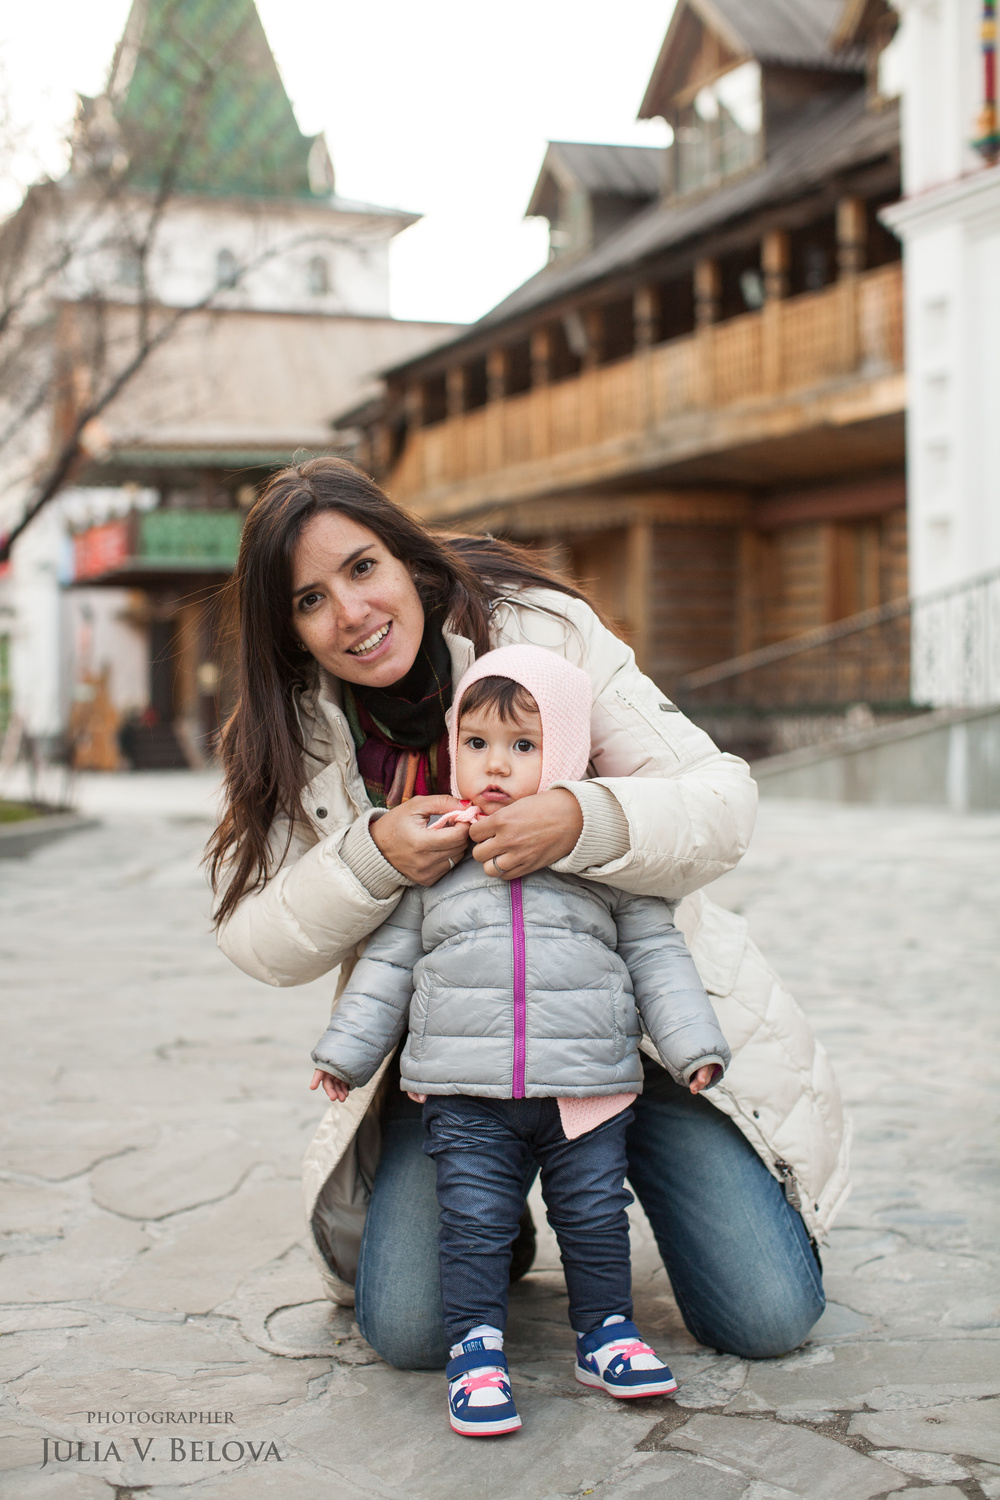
(78, 230)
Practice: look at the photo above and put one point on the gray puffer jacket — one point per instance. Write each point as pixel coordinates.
(528, 988)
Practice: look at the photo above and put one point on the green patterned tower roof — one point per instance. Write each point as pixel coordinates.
(200, 107)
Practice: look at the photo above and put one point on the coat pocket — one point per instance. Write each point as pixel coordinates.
(418, 1016)
(622, 1006)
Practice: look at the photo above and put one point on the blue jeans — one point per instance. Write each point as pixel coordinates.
(738, 1257)
(484, 1150)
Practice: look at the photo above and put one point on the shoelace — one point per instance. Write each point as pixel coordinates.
(495, 1379)
(626, 1348)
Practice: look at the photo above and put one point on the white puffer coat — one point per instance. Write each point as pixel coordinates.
(690, 812)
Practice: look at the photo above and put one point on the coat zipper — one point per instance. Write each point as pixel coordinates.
(787, 1175)
(520, 996)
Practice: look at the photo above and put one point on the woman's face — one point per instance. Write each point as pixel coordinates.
(354, 605)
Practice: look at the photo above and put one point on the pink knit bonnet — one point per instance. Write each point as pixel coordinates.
(563, 695)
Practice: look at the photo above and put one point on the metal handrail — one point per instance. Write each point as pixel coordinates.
(929, 652)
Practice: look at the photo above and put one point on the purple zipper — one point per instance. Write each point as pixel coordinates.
(520, 996)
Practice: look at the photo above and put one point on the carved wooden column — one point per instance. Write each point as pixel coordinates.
(852, 244)
(593, 321)
(707, 293)
(645, 316)
(638, 597)
(413, 405)
(541, 357)
(707, 306)
(775, 259)
(496, 375)
(455, 387)
(852, 236)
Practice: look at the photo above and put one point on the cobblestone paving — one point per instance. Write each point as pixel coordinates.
(155, 1112)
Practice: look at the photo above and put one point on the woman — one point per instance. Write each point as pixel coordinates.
(354, 623)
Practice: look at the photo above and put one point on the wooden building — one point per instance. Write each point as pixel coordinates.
(698, 403)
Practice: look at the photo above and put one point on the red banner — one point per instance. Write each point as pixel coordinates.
(100, 549)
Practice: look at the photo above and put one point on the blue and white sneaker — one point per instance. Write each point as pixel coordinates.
(480, 1403)
(615, 1359)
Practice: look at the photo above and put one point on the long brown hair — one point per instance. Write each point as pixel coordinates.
(262, 749)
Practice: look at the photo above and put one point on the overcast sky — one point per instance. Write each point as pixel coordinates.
(441, 107)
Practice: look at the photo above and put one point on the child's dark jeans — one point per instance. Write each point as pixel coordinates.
(485, 1150)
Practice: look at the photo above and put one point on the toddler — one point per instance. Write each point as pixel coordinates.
(526, 1000)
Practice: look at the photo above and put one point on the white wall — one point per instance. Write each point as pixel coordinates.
(272, 245)
(949, 222)
(941, 69)
(36, 626)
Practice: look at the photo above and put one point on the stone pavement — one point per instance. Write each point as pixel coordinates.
(155, 1113)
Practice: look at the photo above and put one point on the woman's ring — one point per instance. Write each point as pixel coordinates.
(451, 863)
(497, 866)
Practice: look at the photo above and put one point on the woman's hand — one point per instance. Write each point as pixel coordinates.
(335, 1089)
(529, 834)
(420, 853)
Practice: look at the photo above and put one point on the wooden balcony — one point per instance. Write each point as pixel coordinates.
(829, 359)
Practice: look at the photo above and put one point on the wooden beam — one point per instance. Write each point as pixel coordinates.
(852, 235)
(638, 588)
(573, 515)
(775, 258)
(645, 313)
(707, 292)
(456, 383)
(541, 357)
(593, 321)
(496, 375)
(413, 405)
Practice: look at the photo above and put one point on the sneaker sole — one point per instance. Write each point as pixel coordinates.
(485, 1429)
(661, 1388)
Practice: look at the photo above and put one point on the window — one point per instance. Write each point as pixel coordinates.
(226, 269)
(718, 133)
(318, 276)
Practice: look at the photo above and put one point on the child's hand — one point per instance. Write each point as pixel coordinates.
(703, 1077)
(417, 1098)
(335, 1089)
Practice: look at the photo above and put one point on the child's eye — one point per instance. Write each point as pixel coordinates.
(476, 742)
(525, 746)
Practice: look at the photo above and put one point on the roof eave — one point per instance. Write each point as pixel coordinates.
(711, 17)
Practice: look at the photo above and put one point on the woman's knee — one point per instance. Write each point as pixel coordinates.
(410, 1340)
(762, 1327)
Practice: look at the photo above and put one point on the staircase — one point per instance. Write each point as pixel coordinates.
(900, 704)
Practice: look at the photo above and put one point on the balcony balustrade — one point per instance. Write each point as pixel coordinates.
(155, 543)
(850, 331)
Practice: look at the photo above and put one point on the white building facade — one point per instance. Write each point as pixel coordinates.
(949, 221)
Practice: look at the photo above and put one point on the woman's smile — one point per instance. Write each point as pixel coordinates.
(368, 647)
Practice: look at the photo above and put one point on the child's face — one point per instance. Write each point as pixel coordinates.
(498, 762)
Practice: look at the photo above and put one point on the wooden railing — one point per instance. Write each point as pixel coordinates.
(853, 328)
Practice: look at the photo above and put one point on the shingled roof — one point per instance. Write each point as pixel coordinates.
(625, 171)
(835, 135)
(196, 96)
(787, 33)
(796, 33)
